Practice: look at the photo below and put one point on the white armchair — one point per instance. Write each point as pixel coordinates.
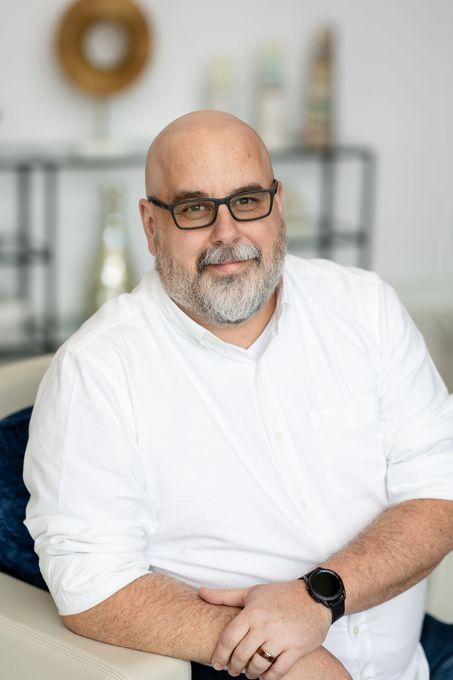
(33, 640)
(34, 643)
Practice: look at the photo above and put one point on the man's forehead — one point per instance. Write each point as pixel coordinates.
(188, 157)
(202, 144)
(228, 179)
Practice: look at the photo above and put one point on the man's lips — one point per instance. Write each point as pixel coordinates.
(229, 265)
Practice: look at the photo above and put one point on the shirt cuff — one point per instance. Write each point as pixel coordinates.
(80, 583)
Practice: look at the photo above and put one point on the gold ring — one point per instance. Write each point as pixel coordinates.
(262, 652)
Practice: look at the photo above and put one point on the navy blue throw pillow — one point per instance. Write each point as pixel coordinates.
(17, 555)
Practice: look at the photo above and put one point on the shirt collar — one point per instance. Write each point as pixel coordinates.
(191, 328)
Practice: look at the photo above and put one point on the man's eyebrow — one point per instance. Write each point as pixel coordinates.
(187, 195)
(247, 187)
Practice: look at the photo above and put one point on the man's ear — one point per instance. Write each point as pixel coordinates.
(148, 223)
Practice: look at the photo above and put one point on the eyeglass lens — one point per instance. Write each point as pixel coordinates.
(201, 213)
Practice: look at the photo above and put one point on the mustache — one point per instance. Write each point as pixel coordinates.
(221, 254)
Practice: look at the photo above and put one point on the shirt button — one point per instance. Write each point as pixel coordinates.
(302, 504)
(279, 436)
(355, 630)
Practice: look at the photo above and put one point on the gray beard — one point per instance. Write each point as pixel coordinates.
(223, 300)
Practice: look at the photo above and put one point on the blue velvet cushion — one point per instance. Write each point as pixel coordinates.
(17, 556)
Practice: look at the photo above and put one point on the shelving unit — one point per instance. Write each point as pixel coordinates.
(328, 232)
(21, 252)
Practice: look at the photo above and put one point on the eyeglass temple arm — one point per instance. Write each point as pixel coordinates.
(156, 201)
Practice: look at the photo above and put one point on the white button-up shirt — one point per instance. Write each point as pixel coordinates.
(156, 446)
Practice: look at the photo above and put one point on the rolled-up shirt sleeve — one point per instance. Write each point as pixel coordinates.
(416, 411)
(82, 468)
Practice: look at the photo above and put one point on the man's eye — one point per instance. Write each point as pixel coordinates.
(244, 202)
(195, 208)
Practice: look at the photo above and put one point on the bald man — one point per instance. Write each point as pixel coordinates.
(247, 461)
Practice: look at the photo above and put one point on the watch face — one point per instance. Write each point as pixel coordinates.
(325, 584)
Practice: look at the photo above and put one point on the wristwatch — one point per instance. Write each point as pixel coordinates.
(326, 586)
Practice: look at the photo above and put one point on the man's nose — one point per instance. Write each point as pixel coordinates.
(225, 228)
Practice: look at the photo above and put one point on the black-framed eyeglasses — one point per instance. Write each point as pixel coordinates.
(198, 213)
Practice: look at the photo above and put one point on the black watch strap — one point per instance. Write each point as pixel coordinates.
(337, 609)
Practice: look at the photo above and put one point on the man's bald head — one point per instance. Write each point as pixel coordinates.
(180, 145)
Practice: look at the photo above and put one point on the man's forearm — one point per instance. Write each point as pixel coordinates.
(156, 614)
(396, 551)
(161, 615)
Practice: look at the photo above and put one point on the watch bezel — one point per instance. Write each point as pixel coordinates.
(311, 577)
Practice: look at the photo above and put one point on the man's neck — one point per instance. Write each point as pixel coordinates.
(244, 334)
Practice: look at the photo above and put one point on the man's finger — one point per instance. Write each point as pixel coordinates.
(258, 663)
(245, 652)
(228, 640)
(280, 667)
(233, 597)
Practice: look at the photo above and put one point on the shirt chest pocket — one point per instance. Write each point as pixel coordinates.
(350, 446)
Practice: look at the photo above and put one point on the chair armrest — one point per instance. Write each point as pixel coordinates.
(19, 383)
(35, 643)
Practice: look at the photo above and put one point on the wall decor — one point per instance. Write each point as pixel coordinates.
(103, 45)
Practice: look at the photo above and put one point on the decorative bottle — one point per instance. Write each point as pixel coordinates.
(113, 274)
(270, 104)
(318, 131)
(219, 90)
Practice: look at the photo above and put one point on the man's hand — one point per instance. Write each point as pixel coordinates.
(318, 665)
(282, 618)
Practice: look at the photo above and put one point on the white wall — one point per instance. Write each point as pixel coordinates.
(395, 90)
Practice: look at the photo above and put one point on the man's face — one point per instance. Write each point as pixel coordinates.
(225, 273)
